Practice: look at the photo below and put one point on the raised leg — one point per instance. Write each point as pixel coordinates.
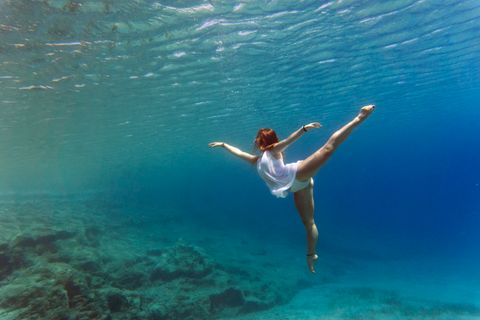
(309, 167)
(305, 206)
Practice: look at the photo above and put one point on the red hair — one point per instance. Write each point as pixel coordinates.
(265, 139)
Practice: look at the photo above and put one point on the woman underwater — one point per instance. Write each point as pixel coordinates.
(295, 177)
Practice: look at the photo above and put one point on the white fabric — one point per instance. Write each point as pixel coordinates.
(300, 184)
(278, 176)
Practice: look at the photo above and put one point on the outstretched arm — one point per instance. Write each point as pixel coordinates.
(282, 145)
(235, 151)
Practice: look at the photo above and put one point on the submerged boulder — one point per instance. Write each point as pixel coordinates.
(229, 298)
(39, 244)
(41, 239)
(9, 262)
(116, 302)
(130, 280)
(181, 261)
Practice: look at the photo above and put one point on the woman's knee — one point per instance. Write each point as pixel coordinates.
(328, 148)
(308, 223)
(311, 182)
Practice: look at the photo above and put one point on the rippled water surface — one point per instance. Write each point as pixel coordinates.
(103, 83)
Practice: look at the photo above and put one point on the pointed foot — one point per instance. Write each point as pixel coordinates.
(311, 260)
(366, 111)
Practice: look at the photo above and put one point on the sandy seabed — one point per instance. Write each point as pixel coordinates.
(63, 258)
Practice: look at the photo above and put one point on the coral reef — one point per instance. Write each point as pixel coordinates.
(82, 266)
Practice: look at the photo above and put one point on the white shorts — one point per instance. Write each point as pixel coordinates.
(300, 184)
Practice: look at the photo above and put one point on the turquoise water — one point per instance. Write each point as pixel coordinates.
(107, 107)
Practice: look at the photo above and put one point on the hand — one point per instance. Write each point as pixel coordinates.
(216, 144)
(312, 125)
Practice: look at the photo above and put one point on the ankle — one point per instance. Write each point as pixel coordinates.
(359, 118)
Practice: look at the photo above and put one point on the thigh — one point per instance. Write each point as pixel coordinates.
(309, 167)
(304, 203)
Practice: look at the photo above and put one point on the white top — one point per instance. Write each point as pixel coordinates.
(278, 176)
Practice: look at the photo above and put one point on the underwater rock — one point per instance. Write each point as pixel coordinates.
(5, 268)
(82, 299)
(155, 252)
(22, 293)
(73, 289)
(143, 260)
(39, 244)
(181, 262)
(79, 296)
(9, 262)
(191, 309)
(34, 297)
(89, 266)
(130, 280)
(92, 236)
(229, 298)
(255, 306)
(232, 302)
(56, 274)
(116, 302)
(45, 239)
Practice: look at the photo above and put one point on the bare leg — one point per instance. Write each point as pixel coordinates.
(305, 206)
(309, 167)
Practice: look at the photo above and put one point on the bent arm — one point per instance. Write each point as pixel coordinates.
(282, 145)
(236, 151)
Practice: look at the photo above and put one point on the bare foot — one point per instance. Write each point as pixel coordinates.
(366, 111)
(311, 260)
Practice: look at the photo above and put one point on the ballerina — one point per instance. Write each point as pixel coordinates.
(296, 178)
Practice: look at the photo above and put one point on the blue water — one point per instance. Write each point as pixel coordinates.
(120, 99)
